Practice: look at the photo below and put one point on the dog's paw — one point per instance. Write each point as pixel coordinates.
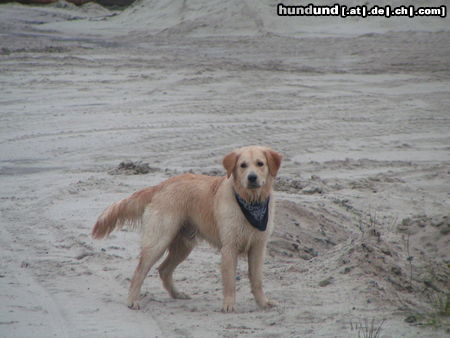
(267, 304)
(134, 305)
(228, 307)
(271, 303)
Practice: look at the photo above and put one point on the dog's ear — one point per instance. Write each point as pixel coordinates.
(229, 163)
(273, 161)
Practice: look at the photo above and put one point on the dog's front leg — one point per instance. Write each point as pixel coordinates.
(228, 269)
(255, 273)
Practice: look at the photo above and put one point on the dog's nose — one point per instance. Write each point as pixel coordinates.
(252, 178)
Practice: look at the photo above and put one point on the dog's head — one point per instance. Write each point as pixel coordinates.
(253, 169)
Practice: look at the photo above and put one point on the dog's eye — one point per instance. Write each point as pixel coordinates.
(259, 163)
(243, 165)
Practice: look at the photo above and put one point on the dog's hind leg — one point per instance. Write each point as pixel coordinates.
(149, 256)
(159, 233)
(179, 250)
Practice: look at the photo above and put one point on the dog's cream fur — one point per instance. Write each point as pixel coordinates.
(176, 212)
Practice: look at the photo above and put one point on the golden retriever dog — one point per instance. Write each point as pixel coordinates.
(233, 213)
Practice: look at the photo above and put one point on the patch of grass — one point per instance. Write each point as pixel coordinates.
(409, 259)
(369, 225)
(437, 319)
(442, 304)
(366, 328)
(441, 317)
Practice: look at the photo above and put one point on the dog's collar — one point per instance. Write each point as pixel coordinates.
(257, 214)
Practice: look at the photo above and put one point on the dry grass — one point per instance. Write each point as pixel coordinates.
(366, 328)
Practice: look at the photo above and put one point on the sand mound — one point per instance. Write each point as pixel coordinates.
(253, 17)
(146, 20)
(406, 271)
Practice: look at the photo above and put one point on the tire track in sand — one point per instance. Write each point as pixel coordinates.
(42, 300)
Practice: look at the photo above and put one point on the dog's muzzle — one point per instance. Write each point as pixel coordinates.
(252, 181)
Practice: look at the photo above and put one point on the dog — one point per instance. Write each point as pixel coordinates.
(234, 213)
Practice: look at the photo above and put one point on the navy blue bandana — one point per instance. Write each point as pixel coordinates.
(257, 214)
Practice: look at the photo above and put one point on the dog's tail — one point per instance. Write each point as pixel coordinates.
(127, 211)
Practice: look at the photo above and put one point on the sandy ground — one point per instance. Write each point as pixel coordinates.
(360, 111)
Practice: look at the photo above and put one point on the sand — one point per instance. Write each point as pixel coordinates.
(359, 108)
